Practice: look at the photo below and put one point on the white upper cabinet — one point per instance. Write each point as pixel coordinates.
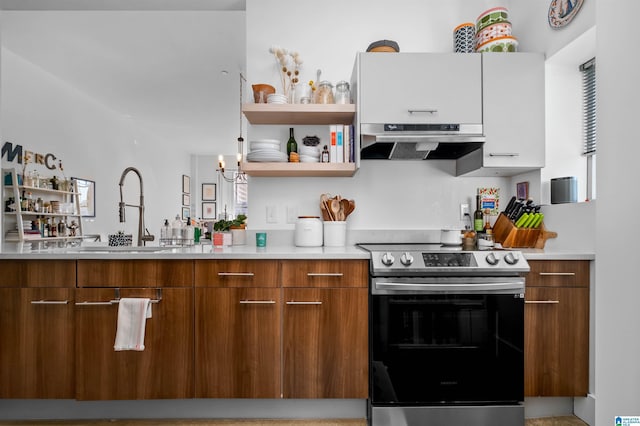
(513, 116)
(420, 88)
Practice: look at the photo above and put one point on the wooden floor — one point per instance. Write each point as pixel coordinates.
(550, 421)
(556, 421)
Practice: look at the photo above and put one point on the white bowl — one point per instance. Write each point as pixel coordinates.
(264, 144)
(311, 151)
(276, 98)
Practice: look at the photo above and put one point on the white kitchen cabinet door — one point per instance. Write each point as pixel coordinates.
(513, 105)
(420, 88)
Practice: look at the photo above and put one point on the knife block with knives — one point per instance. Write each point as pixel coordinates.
(521, 225)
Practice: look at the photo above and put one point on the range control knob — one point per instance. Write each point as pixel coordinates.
(387, 259)
(492, 259)
(511, 259)
(406, 259)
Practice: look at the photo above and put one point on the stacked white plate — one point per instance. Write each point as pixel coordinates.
(276, 98)
(266, 150)
(309, 154)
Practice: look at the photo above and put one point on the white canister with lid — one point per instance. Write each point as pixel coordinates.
(308, 232)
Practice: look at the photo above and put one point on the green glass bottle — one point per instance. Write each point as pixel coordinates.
(292, 145)
(478, 222)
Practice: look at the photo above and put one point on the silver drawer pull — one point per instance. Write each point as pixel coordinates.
(49, 302)
(557, 274)
(325, 274)
(304, 303)
(504, 154)
(542, 302)
(428, 111)
(110, 302)
(257, 302)
(236, 274)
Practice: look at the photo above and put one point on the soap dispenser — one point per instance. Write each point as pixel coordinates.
(176, 230)
(165, 233)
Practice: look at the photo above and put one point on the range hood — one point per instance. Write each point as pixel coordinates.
(419, 141)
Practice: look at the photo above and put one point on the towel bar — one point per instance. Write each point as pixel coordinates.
(117, 298)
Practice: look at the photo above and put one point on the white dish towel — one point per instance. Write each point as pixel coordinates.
(132, 320)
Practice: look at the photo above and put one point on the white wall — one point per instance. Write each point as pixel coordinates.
(617, 289)
(43, 114)
(530, 25)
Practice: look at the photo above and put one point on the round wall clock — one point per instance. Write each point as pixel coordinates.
(561, 12)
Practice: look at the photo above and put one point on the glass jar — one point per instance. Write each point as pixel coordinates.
(324, 93)
(343, 94)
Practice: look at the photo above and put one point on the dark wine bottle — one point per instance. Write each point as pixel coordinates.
(292, 145)
(478, 222)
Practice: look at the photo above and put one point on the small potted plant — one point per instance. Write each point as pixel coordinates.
(227, 232)
(221, 233)
(239, 230)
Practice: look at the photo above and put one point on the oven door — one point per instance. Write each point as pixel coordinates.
(447, 341)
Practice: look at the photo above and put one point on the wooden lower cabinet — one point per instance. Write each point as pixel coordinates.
(281, 329)
(163, 370)
(238, 343)
(557, 329)
(36, 343)
(325, 343)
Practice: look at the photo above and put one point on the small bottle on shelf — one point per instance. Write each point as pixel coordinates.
(324, 158)
(292, 145)
(53, 230)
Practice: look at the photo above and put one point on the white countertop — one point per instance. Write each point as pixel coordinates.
(207, 251)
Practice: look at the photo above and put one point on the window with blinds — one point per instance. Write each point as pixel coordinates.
(588, 70)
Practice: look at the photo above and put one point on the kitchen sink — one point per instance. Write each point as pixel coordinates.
(117, 249)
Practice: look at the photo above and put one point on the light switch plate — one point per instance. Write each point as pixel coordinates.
(272, 214)
(292, 214)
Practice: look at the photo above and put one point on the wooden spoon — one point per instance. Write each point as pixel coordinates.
(351, 208)
(325, 212)
(344, 207)
(335, 209)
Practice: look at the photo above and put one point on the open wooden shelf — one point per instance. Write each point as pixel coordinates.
(300, 114)
(299, 169)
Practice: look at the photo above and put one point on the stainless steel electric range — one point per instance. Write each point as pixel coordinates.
(446, 336)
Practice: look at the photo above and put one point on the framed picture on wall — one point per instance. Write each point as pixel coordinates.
(186, 184)
(186, 213)
(208, 192)
(208, 210)
(522, 190)
(186, 199)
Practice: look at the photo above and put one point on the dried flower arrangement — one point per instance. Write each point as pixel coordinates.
(26, 159)
(289, 63)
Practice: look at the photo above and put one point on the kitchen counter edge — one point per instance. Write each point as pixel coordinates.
(537, 254)
(246, 252)
(196, 252)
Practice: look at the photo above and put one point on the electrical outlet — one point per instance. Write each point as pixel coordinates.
(464, 210)
(272, 214)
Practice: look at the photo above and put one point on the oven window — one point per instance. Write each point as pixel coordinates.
(447, 349)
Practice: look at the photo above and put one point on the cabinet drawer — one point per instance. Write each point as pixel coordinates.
(558, 273)
(135, 273)
(325, 273)
(38, 273)
(236, 273)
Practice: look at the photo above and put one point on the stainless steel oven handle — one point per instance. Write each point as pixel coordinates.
(424, 288)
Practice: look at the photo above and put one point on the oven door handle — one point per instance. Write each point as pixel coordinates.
(436, 288)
